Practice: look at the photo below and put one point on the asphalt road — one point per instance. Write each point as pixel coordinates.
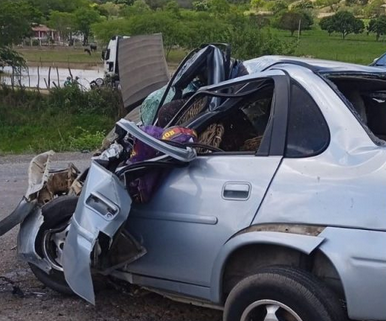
(22, 297)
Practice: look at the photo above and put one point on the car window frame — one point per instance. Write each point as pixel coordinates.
(274, 139)
(325, 76)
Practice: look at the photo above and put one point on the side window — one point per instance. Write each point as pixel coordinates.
(245, 125)
(307, 132)
(381, 61)
(239, 123)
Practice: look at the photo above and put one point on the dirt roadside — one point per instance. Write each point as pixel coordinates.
(22, 297)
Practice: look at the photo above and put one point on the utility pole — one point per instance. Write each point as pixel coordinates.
(299, 25)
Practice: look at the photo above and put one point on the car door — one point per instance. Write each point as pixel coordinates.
(199, 207)
(103, 207)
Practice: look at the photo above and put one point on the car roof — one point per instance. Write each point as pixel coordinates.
(317, 65)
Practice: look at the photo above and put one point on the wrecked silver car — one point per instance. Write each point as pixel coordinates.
(271, 206)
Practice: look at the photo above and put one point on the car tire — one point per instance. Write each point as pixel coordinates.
(57, 214)
(284, 293)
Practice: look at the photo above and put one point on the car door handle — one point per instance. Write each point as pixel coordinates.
(102, 205)
(238, 191)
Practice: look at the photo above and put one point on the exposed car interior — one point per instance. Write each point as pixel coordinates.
(237, 125)
(367, 97)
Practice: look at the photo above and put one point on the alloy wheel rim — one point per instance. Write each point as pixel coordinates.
(53, 244)
(269, 310)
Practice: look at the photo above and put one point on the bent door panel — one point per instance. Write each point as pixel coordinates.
(197, 209)
(103, 207)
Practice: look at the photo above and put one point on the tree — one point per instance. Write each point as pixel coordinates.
(159, 21)
(201, 5)
(137, 8)
(344, 22)
(126, 2)
(259, 21)
(110, 9)
(16, 18)
(277, 6)
(302, 5)
(294, 20)
(156, 4)
(173, 7)
(10, 57)
(84, 18)
(326, 24)
(219, 7)
(194, 28)
(377, 26)
(63, 22)
(257, 4)
(45, 6)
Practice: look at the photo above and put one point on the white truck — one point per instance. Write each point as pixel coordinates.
(110, 56)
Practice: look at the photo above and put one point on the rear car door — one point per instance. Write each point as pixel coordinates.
(199, 207)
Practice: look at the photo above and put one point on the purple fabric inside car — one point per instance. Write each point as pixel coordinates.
(141, 189)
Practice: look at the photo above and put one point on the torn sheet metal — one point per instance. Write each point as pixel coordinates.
(26, 239)
(113, 151)
(182, 154)
(103, 207)
(43, 183)
(38, 173)
(24, 208)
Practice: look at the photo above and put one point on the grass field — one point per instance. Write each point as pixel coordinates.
(361, 49)
(36, 55)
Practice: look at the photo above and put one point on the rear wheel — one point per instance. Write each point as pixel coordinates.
(281, 293)
(50, 242)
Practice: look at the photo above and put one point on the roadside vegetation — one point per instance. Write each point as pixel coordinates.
(70, 119)
(66, 119)
(356, 48)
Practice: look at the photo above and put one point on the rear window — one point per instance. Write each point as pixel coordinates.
(366, 97)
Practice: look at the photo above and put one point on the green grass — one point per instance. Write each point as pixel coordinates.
(60, 132)
(316, 43)
(60, 55)
(31, 122)
(67, 55)
(176, 55)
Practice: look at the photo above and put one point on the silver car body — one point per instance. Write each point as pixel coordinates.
(331, 203)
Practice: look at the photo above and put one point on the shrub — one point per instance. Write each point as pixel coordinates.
(377, 26)
(343, 22)
(293, 20)
(85, 140)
